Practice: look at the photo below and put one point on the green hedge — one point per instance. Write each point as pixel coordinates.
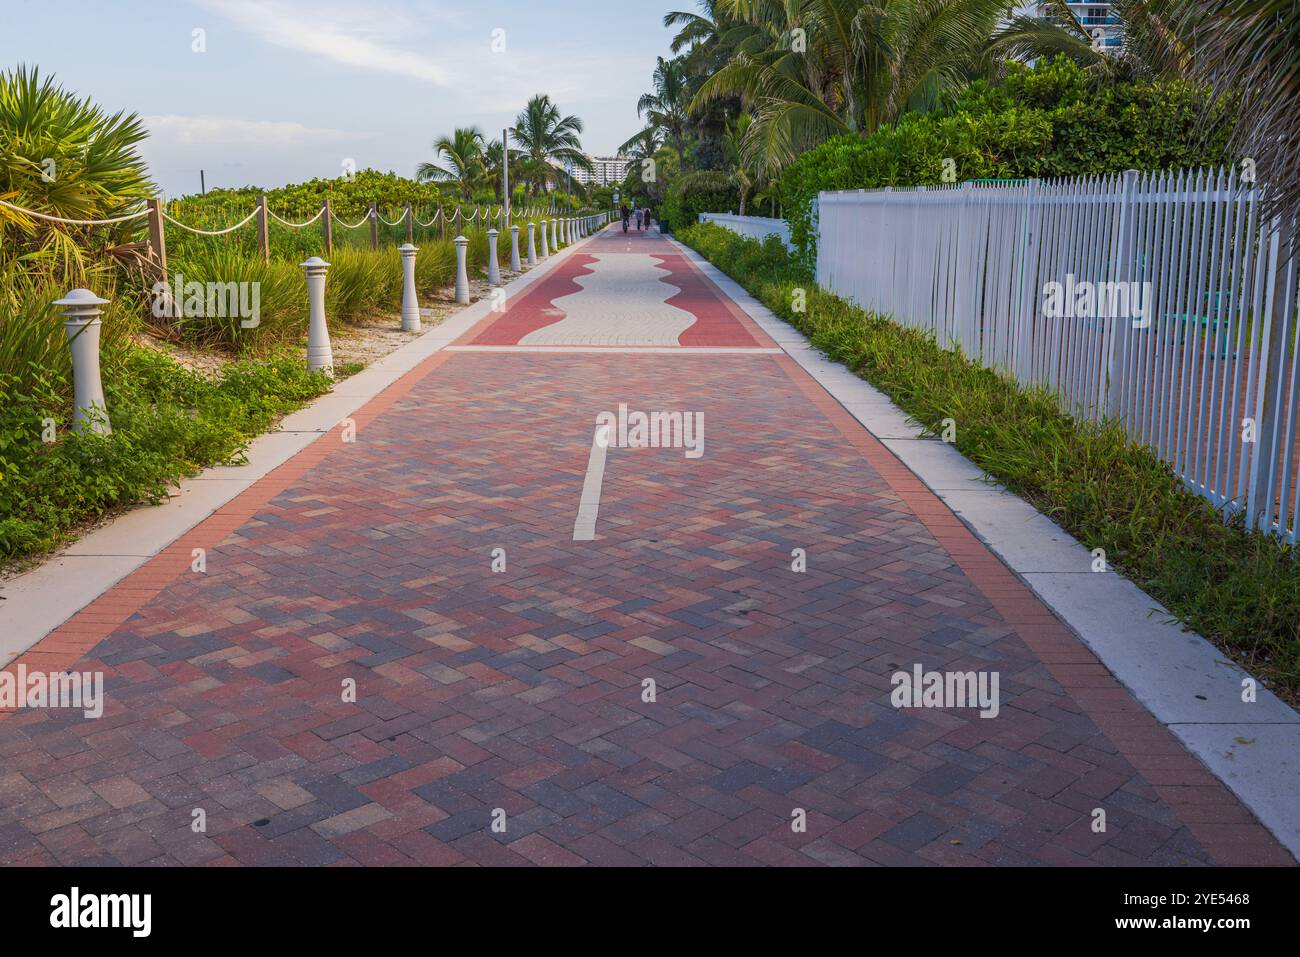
(708, 191)
(1240, 590)
(1046, 121)
(168, 423)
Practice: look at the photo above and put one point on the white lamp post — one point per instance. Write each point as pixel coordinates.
(462, 276)
(494, 268)
(320, 356)
(410, 303)
(81, 323)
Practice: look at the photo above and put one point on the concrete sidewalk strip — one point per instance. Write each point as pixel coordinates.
(1186, 683)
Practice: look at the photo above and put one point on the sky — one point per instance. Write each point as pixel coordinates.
(282, 91)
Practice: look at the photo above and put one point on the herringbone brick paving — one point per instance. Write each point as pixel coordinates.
(521, 689)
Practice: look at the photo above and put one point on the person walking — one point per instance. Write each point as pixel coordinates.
(638, 219)
(647, 218)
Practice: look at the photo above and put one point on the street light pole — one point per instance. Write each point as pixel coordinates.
(505, 173)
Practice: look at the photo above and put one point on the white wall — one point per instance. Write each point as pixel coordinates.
(755, 227)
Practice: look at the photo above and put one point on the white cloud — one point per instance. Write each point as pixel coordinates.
(233, 131)
(352, 34)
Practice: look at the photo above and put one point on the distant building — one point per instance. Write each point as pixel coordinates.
(1098, 19)
(605, 170)
(610, 169)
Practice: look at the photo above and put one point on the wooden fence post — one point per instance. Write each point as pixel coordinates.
(327, 227)
(442, 223)
(263, 229)
(158, 253)
(157, 240)
(410, 225)
(374, 225)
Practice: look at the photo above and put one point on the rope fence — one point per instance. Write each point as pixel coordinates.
(75, 222)
(264, 233)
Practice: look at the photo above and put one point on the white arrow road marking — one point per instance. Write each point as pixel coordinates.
(584, 526)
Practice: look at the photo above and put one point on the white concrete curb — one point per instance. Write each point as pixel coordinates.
(42, 599)
(1182, 679)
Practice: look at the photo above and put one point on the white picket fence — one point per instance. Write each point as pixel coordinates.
(1202, 368)
(755, 227)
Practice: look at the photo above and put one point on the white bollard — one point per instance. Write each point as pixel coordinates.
(514, 249)
(494, 268)
(462, 276)
(532, 244)
(320, 356)
(410, 303)
(555, 233)
(81, 323)
(546, 252)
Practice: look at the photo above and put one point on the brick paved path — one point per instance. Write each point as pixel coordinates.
(522, 689)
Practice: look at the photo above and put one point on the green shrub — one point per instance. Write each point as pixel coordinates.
(62, 155)
(1045, 121)
(282, 302)
(1239, 590)
(361, 282)
(33, 344)
(690, 194)
(435, 265)
(168, 423)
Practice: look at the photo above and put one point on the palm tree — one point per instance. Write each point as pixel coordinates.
(460, 160)
(1155, 46)
(644, 145)
(1248, 52)
(811, 69)
(697, 29)
(666, 109)
(547, 138)
(1245, 52)
(742, 174)
(62, 155)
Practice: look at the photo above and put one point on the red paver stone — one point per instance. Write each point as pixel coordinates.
(521, 689)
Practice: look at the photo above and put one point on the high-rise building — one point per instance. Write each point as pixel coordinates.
(605, 170)
(1098, 19)
(610, 169)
